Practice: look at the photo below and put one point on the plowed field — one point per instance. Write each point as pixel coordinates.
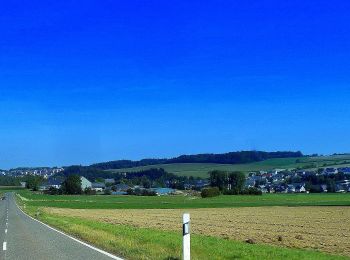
(322, 228)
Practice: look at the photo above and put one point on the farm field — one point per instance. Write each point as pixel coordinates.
(150, 227)
(202, 169)
(316, 228)
(182, 202)
(148, 243)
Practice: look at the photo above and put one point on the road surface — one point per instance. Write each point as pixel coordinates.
(24, 238)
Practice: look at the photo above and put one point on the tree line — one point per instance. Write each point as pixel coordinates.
(228, 183)
(9, 181)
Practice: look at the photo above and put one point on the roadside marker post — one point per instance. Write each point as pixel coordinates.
(186, 246)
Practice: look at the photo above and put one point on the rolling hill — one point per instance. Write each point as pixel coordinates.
(223, 158)
(202, 169)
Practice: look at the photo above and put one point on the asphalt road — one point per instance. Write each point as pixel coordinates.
(24, 238)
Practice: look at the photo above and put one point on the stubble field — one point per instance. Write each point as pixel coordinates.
(325, 229)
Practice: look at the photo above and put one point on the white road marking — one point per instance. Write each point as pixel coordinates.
(6, 231)
(4, 246)
(77, 240)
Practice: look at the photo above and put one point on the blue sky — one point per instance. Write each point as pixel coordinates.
(85, 81)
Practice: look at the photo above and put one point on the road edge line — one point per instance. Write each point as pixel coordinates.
(73, 238)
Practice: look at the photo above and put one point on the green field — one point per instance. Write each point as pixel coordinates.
(168, 202)
(144, 243)
(202, 169)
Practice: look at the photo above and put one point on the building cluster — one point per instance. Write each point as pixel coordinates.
(298, 181)
(108, 185)
(45, 172)
(85, 184)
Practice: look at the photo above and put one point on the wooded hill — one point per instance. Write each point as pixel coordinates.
(225, 158)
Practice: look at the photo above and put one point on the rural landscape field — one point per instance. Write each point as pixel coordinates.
(202, 169)
(294, 206)
(293, 226)
(174, 130)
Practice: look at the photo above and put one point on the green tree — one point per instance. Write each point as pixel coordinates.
(72, 185)
(34, 182)
(331, 185)
(145, 182)
(236, 181)
(101, 180)
(308, 186)
(227, 181)
(219, 179)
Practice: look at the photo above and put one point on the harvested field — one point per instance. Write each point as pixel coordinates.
(321, 228)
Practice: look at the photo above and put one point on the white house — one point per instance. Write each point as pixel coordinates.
(300, 189)
(85, 183)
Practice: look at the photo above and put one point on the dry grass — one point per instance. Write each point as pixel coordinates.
(322, 228)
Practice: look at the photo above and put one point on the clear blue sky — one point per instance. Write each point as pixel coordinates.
(90, 81)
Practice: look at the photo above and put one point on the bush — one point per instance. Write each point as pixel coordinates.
(231, 192)
(210, 192)
(107, 192)
(53, 191)
(148, 193)
(89, 191)
(315, 189)
(141, 192)
(251, 191)
(247, 191)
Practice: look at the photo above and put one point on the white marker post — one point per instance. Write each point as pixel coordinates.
(186, 253)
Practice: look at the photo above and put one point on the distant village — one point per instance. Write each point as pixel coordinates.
(301, 181)
(273, 181)
(45, 172)
(110, 187)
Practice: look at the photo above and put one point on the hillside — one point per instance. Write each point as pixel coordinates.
(224, 158)
(202, 169)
